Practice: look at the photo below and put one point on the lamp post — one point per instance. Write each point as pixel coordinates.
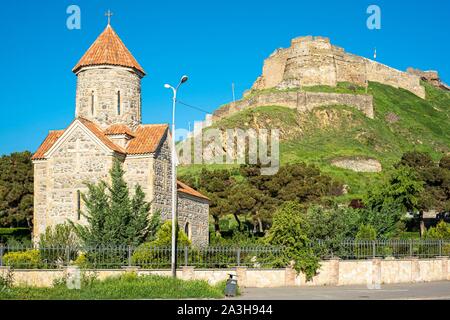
(174, 178)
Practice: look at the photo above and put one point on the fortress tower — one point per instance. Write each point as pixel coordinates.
(109, 83)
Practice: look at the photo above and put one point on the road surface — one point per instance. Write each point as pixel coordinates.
(417, 291)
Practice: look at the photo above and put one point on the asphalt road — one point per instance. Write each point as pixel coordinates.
(416, 291)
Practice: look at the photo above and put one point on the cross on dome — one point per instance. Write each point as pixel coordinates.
(109, 14)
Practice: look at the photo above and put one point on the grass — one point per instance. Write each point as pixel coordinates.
(341, 87)
(332, 132)
(127, 286)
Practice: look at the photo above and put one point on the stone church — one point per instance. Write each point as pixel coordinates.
(108, 125)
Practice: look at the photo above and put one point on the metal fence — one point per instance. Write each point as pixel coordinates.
(365, 249)
(149, 257)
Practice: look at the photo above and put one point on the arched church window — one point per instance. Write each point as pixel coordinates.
(92, 103)
(118, 103)
(187, 230)
(78, 204)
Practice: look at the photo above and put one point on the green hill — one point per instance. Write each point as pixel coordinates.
(402, 122)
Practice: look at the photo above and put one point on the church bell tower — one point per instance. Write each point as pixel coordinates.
(109, 83)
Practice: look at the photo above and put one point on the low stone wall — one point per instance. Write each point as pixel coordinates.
(332, 272)
(302, 101)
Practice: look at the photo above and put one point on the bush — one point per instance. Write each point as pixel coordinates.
(58, 245)
(164, 236)
(289, 230)
(366, 232)
(157, 252)
(14, 236)
(23, 259)
(440, 232)
(81, 261)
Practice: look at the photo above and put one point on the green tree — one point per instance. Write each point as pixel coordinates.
(337, 222)
(366, 232)
(387, 220)
(289, 230)
(436, 182)
(402, 190)
(113, 217)
(216, 185)
(16, 190)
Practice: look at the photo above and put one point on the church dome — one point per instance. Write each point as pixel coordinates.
(108, 49)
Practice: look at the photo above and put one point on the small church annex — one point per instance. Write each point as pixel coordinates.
(108, 126)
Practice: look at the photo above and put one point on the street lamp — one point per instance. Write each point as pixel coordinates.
(174, 177)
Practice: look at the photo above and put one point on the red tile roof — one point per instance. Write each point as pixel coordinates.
(108, 49)
(182, 187)
(49, 141)
(118, 129)
(147, 138)
(99, 133)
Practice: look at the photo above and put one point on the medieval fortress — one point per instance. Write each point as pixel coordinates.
(312, 61)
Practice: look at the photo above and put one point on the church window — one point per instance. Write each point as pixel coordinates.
(92, 103)
(118, 103)
(78, 204)
(187, 230)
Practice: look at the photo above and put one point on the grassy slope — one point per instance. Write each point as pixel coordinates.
(340, 131)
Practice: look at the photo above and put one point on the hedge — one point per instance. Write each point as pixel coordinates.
(14, 233)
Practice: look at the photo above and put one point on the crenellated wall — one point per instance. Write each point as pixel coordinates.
(313, 61)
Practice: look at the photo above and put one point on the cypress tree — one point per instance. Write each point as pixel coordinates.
(115, 218)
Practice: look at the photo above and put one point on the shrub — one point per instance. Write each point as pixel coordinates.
(289, 230)
(81, 261)
(366, 232)
(23, 259)
(15, 236)
(58, 245)
(440, 232)
(164, 236)
(157, 252)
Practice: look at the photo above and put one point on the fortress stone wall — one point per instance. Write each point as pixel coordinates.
(313, 61)
(301, 101)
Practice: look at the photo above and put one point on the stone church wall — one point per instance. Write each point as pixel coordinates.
(193, 215)
(104, 83)
(40, 196)
(80, 159)
(162, 180)
(139, 171)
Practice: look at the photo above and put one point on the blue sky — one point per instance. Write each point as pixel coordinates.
(214, 42)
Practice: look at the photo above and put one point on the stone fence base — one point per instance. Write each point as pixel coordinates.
(331, 273)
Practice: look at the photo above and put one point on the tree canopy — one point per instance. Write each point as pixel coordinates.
(16, 190)
(115, 218)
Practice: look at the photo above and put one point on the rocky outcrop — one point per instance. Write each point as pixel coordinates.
(358, 165)
(432, 77)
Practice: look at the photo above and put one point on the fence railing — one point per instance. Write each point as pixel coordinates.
(148, 257)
